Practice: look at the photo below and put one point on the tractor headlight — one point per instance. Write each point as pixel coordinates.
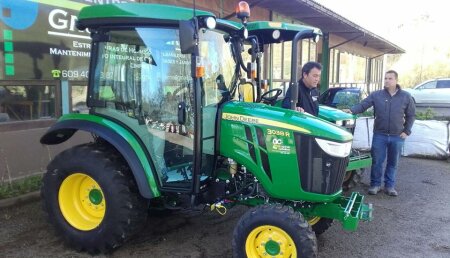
(335, 149)
(350, 122)
(346, 123)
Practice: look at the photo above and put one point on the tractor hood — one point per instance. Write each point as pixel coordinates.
(333, 114)
(280, 118)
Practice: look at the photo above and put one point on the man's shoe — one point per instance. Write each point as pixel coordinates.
(374, 190)
(391, 191)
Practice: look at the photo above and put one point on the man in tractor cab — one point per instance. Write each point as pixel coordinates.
(308, 94)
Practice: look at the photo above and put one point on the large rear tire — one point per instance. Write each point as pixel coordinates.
(92, 199)
(273, 231)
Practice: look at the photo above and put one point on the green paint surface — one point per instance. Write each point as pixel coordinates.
(7, 35)
(9, 58)
(9, 70)
(8, 46)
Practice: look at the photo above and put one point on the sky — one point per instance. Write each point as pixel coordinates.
(419, 27)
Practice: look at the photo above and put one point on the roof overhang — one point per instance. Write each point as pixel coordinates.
(314, 14)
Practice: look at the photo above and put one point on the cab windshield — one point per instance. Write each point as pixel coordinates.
(138, 69)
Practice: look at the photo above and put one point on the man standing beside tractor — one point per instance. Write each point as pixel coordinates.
(394, 112)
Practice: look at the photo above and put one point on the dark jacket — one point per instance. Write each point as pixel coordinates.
(393, 114)
(307, 99)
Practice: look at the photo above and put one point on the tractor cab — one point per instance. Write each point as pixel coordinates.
(163, 81)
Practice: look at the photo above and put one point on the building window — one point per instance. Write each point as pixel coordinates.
(305, 52)
(287, 57)
(312, 51)
(27, 102)
(308, 52)
(78, 98)
(277, 61)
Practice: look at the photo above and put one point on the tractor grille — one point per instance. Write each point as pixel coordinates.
(319, 172)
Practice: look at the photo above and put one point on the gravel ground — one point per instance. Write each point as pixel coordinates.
(414, 224)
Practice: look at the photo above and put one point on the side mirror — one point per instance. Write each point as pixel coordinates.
(187, 39)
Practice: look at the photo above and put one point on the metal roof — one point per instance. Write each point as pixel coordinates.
(317, 15)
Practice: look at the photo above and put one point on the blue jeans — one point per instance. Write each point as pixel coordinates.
(383, 144)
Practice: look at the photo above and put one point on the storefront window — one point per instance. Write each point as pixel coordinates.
(79, 94)
(277, 62)
(312, 51)
(305, 52)
(287, 60)
(31, 102)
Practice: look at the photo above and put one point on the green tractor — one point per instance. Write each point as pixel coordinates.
(167, 134)
(262, 34)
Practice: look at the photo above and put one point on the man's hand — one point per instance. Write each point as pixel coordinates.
(403, 135)
(346, 110)
(299, 109)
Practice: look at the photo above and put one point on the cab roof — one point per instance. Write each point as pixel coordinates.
(135, 13)
(228, 25)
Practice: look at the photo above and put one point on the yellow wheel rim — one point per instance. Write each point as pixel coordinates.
(270, 241)
(312, 221)
(81, 201)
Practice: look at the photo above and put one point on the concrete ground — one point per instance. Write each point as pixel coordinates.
(414, 224)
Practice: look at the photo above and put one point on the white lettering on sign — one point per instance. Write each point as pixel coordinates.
(58, 20)
(65, 52)
(77, 44)
(64, 24)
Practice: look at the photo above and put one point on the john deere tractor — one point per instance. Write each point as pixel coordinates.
(168, 134)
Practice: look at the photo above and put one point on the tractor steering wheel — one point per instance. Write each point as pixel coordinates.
(271, 100)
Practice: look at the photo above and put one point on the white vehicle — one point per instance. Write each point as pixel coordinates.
(435, 91)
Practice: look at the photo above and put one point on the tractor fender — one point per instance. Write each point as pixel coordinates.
(127, 146)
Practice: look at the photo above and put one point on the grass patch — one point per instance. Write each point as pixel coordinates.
(19, 187)
(428, 114)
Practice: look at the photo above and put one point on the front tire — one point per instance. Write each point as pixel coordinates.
(273, 230)
(92, 199)
(352, 179)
